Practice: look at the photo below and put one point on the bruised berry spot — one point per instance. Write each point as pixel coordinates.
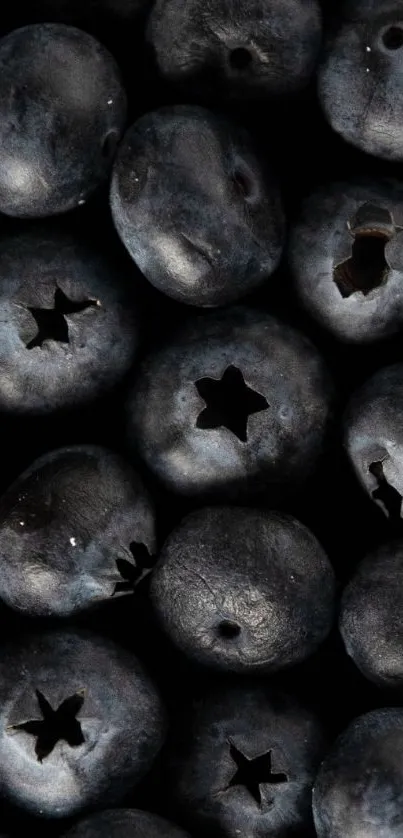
(55, 725)
(254, 772)
(240, 59)
(228, 629)
(229, 403)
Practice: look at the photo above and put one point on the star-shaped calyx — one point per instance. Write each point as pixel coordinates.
(229, 403)
(252, 773)
(55, 724)
(132, 572)
(52, 323)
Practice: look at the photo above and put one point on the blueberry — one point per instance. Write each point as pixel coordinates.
(243, 590)
(236, 402)
(194, 206)
(81, 723)
(75, 529)
(62, 113)
(360, 79)
(346, 257)
(68, 322)
(370, 617)
(266, 48)
(359, 789)
(244, 764)
(125, 823)
(373, 438)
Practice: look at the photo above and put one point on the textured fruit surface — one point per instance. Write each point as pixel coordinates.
(62, 113)
(68, 322)
(76, 529)
(238, 401)
(244, 590)
(245, 762)
(80, 723)
(267, 48)
(359, 787)
(179, 172)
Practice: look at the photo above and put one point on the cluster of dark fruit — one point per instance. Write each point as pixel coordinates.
(168, 617)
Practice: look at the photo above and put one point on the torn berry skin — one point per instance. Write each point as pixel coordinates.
(346, 258)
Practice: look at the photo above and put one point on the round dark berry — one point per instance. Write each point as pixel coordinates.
(346, 257)
(370, 616)
(80, 723)
(267, 48)
(359, 789)
(75, 529)
(68, 322)
(244, 764)
(373, 438)
(360, 78)
(236, 402)
(62, 113)
(196, 209)
(243, 590)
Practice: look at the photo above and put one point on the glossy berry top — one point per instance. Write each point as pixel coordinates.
(360, 78)
(236, 402)
(62, 113)
(80, 723)
(358, 790)
(79, 526)
(68, 322)
(196, 208)
(244, 763)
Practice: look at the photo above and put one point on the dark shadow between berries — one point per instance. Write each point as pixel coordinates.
(252, 773)
(54, 725)
(52, 323)
(229, 403)
(132, 572)
(386, 494)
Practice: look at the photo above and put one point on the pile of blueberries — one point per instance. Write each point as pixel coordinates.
(201, 402)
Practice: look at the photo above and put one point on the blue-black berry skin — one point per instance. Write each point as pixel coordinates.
(62, 114)
(358, 790)
(359, 78)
